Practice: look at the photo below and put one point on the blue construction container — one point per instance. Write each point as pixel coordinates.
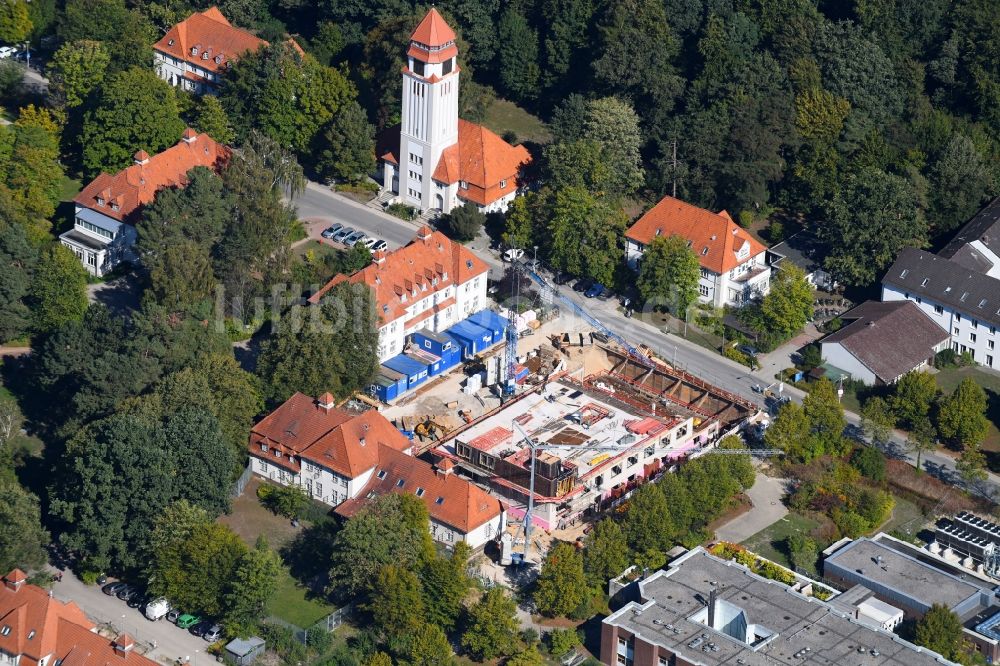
(492, 322)
(433, 363)
(388, 384)
(435, 343)
(473, 337)
(415, 371)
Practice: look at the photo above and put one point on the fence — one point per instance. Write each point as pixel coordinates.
(328, 623)
(241, 483)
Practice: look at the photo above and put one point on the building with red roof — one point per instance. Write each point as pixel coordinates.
(734, 267)
(458, 510)
(103, 233)
(36, 629)
(433, 160)
(195, 53)
(432, 283)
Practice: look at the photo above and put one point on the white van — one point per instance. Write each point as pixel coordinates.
(157, 609)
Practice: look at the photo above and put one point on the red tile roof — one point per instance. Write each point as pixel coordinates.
(430, 257)
(450, 500)
(335, 439)
(133, 187)
(714, 237)
(433, 30)
(212, 35)
(37, 626)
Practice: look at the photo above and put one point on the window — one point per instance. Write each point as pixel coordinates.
(975, 324)
(446, 68)
(319, 489)
(100, 201)
(663, 661)
(703, 290)
(938, 309)
(399, 484)
(439, 501)
(503, 184)
(218, 60)
(170, 43)
(263, 447)
(420, 492)
(972, 337)
(989, 361)
(381, 474)
(989, 344)
(194, 50)
(463, 184)
(418, 67)
(958, 317)
(955, 330)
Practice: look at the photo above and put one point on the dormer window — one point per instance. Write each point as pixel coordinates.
(463, 184)
(204, 56)
(218, 60)
(277, 453)
(100, 201)
(114, 206)
(194, 50)
(503, 184)
(381, 474)
(170, 43)
(5, 630)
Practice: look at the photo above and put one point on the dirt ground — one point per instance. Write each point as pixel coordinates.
(249, 519)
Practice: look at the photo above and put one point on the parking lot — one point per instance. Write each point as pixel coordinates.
(171, 642)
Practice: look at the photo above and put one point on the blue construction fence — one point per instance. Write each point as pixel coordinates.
(431, 354)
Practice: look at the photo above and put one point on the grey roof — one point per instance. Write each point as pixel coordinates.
(98, 220)
(947, 282)
(244, 646)
(984, 226)
(800, 249)
(903, 573)
(890, 338)
(672, 597)
(80, 238)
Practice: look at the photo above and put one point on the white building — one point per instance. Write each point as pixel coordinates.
(434, 160)
(734, 266)
(103, 233)
(337, 456)
(195, 53)
(432, 283)
(881, 342)
(963, 302)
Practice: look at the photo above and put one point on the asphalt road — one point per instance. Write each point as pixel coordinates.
(319, 203)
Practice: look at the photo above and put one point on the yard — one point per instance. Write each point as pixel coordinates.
(770, 542)
(289, 603)
(504, 116)
(907, 519)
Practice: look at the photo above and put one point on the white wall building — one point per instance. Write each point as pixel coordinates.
(963, 302)
(99, 242)
(433, 160)
(432, 283)
(734, 266)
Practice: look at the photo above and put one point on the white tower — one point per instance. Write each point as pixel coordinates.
(430, 111)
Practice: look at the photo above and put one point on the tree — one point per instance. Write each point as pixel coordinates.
(22, 537)
(960, 179)
(464, 223)
(971, 465)
(914, 395)
(492, 626)
(15, 22)
(75, 70)
(561, 586)
(790, 431)
(582, 233)
(182, 277)
(17, 265)
(59, 290)
(254, 581)
(133, 110)
(445, 585)
(613, 124)
(211, 118)
(788, 305)
(518, 55)
(961, 418)
(921, 439)
(606, 554)
(669, 273)
(803, 552)
(528, 656)
(391, 530)
(650, 525)
(826, 417)
(940, 630)
(34, 173)
(331, 346)
(868, 221)
(870, 462)
(398, 608)
(174, 525)
(347, 151)
(877, 420)
(428, 646)
(126, 33)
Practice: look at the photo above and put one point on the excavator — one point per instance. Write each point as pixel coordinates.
(429, 428)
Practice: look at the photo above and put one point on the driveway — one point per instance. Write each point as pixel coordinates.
(171, 643)
(766, 494)
(121, 295)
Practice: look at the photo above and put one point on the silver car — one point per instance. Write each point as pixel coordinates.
(351, 240)
(342, 234)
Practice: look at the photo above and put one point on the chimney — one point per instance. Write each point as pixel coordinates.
(189, 136)
(15, 580)
(424, 233)
(711, 607)
(378, 257)
(325, 402)
(123, 644)
(444, 467)
(141, 158)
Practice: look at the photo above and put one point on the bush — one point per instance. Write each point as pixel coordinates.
(89, 577)
(811, 357)
(282, 641)
(402, 211)
(561, 641)
(870, 462)
(735, 354)
(288, 501)
(463, 224)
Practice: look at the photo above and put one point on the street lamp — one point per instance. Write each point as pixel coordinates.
(534, 264)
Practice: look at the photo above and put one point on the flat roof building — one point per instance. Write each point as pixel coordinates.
(711, 612)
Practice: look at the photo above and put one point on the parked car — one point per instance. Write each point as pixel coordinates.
(198, 629)
(213, 633)
(583, 284)
(342, 234)
(7, 51)
(748, 350)
(137, 600)
(330, 231)
(173, 614)
(112, 589)
(351, 241)
(379, 246)
(368, 241)
(128, 592)
(102, 579)
(595, 290)
(187, 620)
(513, 254)
(157, 609)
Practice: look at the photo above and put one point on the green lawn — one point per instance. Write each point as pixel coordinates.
(503, 116)
(289, 603)
(769, 542)
(907, 518)
(69, 188)
(949, 378)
